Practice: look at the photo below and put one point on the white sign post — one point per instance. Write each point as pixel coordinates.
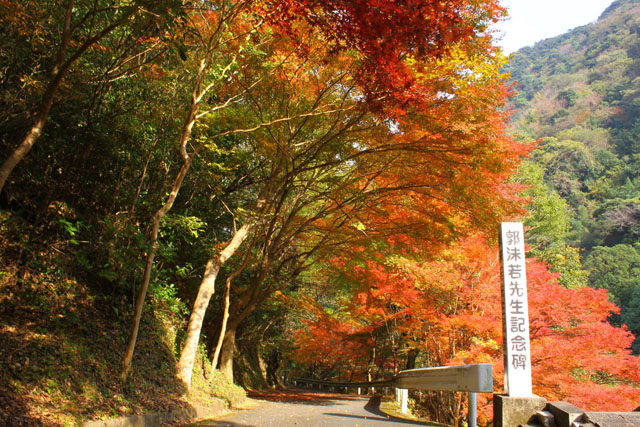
(515, 309)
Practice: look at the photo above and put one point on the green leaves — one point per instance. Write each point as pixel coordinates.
(579, 96)
(71, 229)
(182, 226)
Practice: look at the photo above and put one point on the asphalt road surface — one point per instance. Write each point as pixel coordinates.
(305, 408)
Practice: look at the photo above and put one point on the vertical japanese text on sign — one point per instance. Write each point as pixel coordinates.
(517, 354)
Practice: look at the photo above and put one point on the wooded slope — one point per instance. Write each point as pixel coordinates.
(580, 93)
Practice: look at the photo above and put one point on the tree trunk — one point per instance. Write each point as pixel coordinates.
(228, 350)
(34, 133)
(190, 348)
(57, 73)
(148, 267)
(225, 313)
(411, 358)
(187, 159)
(246, 305)
(206, 290)
(223, 327)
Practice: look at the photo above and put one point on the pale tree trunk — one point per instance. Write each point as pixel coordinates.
(228, 351)
(229, 343)
(225, 312)
(372, 363)
(223, 327)
(148, 267)
(206, 290)
(160, 214)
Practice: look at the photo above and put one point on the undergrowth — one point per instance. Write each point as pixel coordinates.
(62, 341)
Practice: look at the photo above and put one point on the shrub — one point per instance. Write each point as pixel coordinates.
(221, 387)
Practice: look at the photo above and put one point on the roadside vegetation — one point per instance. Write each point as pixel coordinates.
(203, 197)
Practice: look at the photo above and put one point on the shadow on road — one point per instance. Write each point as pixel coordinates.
(358, 410)
(373, 407)
(302, 396)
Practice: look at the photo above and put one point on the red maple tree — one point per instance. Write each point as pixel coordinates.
(447, 310)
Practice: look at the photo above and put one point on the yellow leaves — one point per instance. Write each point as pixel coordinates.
(359, 226)
(459, 68)
(487, 343)
(30, 80)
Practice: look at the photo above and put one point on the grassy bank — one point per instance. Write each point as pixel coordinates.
(62, 341)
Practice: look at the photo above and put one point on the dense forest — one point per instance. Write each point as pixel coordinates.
(194, 194)
(579, 95)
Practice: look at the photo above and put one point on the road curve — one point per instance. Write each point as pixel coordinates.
(311, 409)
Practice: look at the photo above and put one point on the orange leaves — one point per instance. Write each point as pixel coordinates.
(572, 339)
(448, 308)
(24, 17)
(431, 169)
(574, 349)
(382, 33)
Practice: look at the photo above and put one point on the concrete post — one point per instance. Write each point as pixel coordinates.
(512, 411)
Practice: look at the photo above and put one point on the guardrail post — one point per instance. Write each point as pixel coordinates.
(358, 390)
(473, 404)
(404, 393)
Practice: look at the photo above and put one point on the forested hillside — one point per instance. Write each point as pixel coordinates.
(579, 93)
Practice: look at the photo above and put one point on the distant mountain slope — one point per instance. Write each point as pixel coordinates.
(580, 93)
(587, 77)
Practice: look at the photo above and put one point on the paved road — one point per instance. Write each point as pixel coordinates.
(311, 409)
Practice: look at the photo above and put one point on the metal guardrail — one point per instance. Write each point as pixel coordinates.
(472, 379)
(383, 383)
(468, 378)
